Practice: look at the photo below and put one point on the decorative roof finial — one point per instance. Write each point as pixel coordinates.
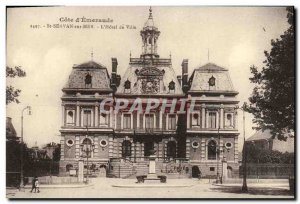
(92, 55)
(130, 54)
(170, 55)
(150, 13)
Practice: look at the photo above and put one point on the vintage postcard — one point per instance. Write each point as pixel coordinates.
(150, 102)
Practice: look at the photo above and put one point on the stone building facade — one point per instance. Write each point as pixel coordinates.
(187, 141)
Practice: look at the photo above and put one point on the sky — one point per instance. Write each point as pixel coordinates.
(236, 38)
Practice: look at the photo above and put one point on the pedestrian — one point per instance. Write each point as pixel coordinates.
(37, 185)
(33, 184)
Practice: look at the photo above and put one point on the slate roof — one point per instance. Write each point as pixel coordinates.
(200, 77)
(260, 135)
(99, 73)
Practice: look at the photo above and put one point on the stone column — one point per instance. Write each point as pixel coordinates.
(203, 117)
(138, 120)
(217, 119)
(160, 119)
(62, 151)
(188, 118)
(111, 115)
(188, 148)
(81, 117)
(222, 117)
(133, 152)
(92, 117)
(77, 114)
(142, 151)
(63, 115)
(207, 114)
(110, 147)
(138, 150)
(77, 147)
(159, 149)
(203, 146)
(96, 115)
(236, 149)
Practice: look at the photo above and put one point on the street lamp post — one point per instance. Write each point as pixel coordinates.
(87, 149)
(22, 144)
(218, 158)
(244, 187)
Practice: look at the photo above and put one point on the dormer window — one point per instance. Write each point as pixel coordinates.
(172, 86)
(212, 83)
(88, 81)
(127, 86)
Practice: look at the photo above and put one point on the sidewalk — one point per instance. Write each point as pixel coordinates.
(55, 186)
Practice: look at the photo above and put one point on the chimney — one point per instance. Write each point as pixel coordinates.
(114, 64)
(185, 75)
(179, 78)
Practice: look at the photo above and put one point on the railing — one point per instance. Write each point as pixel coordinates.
(148, 130)
(177, 165)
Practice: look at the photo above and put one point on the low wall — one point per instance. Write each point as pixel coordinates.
(55, 180)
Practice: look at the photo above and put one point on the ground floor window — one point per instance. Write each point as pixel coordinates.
(126, 148)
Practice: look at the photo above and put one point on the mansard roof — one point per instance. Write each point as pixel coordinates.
(140, 72)
(100, 78)
(199, 80)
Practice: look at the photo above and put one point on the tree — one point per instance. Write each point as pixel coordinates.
(11, 92)
(273, 97)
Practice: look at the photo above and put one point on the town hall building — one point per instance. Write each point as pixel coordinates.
(201, 140)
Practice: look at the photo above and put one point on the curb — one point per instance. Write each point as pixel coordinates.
(62, 186)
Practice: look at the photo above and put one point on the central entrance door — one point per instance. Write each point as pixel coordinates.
(148, 146)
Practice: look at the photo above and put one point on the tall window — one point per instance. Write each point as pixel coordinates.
(126, 148)
(87, 118)
(212, 119)
(87, 147)
(149, 121)
(103, 119)
(172, 122)
(212, 150)
(195, 119)
(127, 121)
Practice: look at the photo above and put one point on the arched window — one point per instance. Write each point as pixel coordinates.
(126, 148)
(86, 149)
(229, 122)
(171, 149)
(88, 81)
(212, 150)
(70, 117)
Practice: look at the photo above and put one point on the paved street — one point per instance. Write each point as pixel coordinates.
(102, 188)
